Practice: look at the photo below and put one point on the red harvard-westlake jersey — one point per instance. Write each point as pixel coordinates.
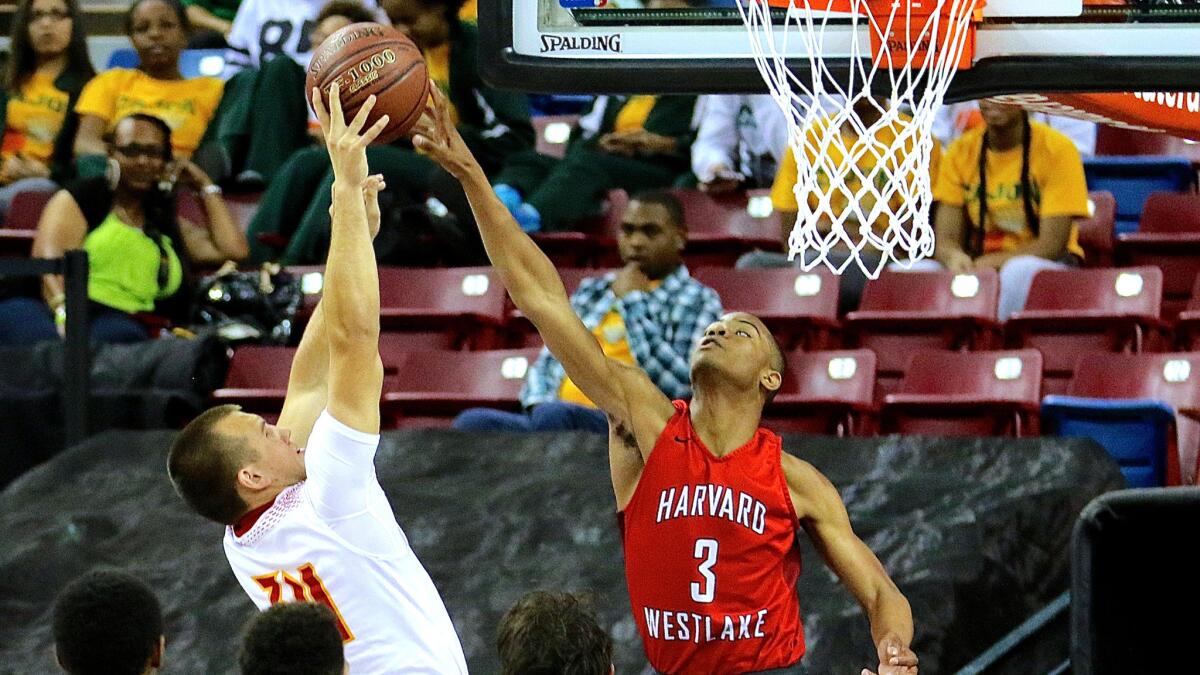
(710, 556)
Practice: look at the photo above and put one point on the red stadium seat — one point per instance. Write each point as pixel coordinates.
(1168, 237)
(20, 225)
(967, 394)
(721, 228)
(1187, 327)
(593, 242)
(1071, 312)
(825, 393)
(799, 307)
(468, 304)
(1096, 231)
(432, 387)
(257, 378)
(553, 132)
(1173, 378)
(902, 313)
(520, 330)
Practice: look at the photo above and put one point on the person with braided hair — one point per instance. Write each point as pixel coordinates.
(1007, 193)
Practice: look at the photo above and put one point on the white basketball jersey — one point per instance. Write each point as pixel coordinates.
(264, 29)
(333, 539)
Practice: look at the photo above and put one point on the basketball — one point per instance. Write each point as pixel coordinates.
(371, 58)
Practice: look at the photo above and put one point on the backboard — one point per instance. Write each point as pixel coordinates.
(701, 46)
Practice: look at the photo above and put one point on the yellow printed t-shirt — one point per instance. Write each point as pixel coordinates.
(35, 115)
(634, 113)
(783, 194)
(1055, 177)
(469, 11)
(437, 65)
(186, 106)
(614, 342)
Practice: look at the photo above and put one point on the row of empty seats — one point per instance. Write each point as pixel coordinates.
(985, 393)
(1068, 312)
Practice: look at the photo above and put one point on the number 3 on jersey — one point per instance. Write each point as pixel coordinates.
(308, 588)
(706, 551)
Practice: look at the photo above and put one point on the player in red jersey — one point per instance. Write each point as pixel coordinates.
(710, 503)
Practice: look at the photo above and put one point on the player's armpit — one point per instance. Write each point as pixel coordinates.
(822, 514)
(625, 462)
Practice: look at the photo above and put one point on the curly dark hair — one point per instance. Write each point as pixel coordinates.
(294, 638)
(106, 623)
(351, 9)
(22, 60)
(553, 633)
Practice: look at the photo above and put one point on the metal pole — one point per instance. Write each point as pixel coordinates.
(77, 359)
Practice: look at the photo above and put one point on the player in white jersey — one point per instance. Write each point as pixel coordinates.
(304, 513)
(264, 29)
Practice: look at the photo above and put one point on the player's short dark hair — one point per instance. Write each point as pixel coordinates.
(106, 623)
(203, 465)
(550, 633)
(351, 9)
(778, 363)
(666, 200)
(293, 638)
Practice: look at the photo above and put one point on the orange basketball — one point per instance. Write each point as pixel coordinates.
(371, 58)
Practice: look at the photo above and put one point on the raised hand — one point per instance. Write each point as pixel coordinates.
(894, 658)
(436, 136)
(347, 143)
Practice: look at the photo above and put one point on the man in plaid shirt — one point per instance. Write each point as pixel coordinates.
(649, 313)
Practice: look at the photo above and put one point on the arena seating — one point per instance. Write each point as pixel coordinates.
(1071, 312)
(432, 387)
(799, 307)
(1132, 179)
(1170, 378)
(553, 132)
(1187, 326)
(467, 303)
(721, 228)
(994, 393)
(257, 379)
(20, 225)
(1169, 238)
(905, 312)
(1135, 432)
(829, 392)
(1097, 231)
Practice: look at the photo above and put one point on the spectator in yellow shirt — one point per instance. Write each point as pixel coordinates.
(158, 30)
(47, 69)
(1007, 194)
(868, 164)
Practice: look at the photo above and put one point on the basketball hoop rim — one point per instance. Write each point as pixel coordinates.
(873, 8)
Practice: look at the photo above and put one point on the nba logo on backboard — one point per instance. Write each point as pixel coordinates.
(581, 4)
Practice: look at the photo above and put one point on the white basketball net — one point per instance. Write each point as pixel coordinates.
(864, 189)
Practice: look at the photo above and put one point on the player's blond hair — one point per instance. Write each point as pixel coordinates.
(203, 465)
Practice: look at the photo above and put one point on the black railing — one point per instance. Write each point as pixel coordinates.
(77, 360)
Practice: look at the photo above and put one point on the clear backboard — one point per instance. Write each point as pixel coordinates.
(701, 46)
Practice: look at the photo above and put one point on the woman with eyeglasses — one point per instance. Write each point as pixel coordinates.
(47, 68)
(139, 253)
(158, 30)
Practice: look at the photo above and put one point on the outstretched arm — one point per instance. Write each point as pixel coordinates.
(308, 383)
(537, 290)
(823, 516)
(351, 300)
